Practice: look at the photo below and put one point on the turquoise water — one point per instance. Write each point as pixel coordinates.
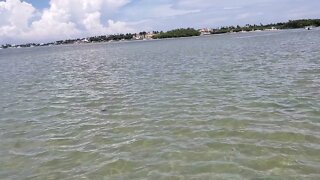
(233, 106)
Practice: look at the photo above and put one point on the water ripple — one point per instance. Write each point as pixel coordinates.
(234, 106)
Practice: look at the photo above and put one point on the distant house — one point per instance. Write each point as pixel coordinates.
(272, 29)
(143, 35)
(205, 31)
(149, 35)
(137, 37)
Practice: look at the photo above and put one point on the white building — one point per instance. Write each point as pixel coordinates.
(205, 31)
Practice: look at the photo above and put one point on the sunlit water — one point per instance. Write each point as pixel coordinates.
(234, 106)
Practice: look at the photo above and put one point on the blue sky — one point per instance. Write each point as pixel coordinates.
(39, 4)
(46, 20)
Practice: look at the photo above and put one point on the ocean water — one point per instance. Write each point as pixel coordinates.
(233, 106)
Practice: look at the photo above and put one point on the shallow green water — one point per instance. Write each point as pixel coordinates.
(237, 106)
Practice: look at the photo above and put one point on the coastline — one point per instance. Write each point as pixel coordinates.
(151, 39)
(147, 40)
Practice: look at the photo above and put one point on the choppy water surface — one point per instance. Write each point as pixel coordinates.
(237, 106)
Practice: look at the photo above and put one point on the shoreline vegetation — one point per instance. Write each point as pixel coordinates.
(176, 33)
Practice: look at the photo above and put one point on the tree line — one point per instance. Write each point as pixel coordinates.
(177, 33)
(292, 24)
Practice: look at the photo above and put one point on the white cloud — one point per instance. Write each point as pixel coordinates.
(167, 10)
(94, 27)
(231, 8)
(15, 16)
(218, 3)
(247, 16)
(63, 19)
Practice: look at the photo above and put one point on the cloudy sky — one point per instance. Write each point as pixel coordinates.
(47, 20)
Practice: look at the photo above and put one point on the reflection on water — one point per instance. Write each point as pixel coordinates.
(234, 106)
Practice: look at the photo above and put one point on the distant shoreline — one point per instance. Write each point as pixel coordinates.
(308, 24)
(150, 40)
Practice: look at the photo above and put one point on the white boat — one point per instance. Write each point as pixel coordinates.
(308, 27)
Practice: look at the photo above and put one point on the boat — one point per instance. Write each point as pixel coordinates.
(308, 28)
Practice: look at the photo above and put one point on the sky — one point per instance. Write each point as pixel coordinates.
(23, 21)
